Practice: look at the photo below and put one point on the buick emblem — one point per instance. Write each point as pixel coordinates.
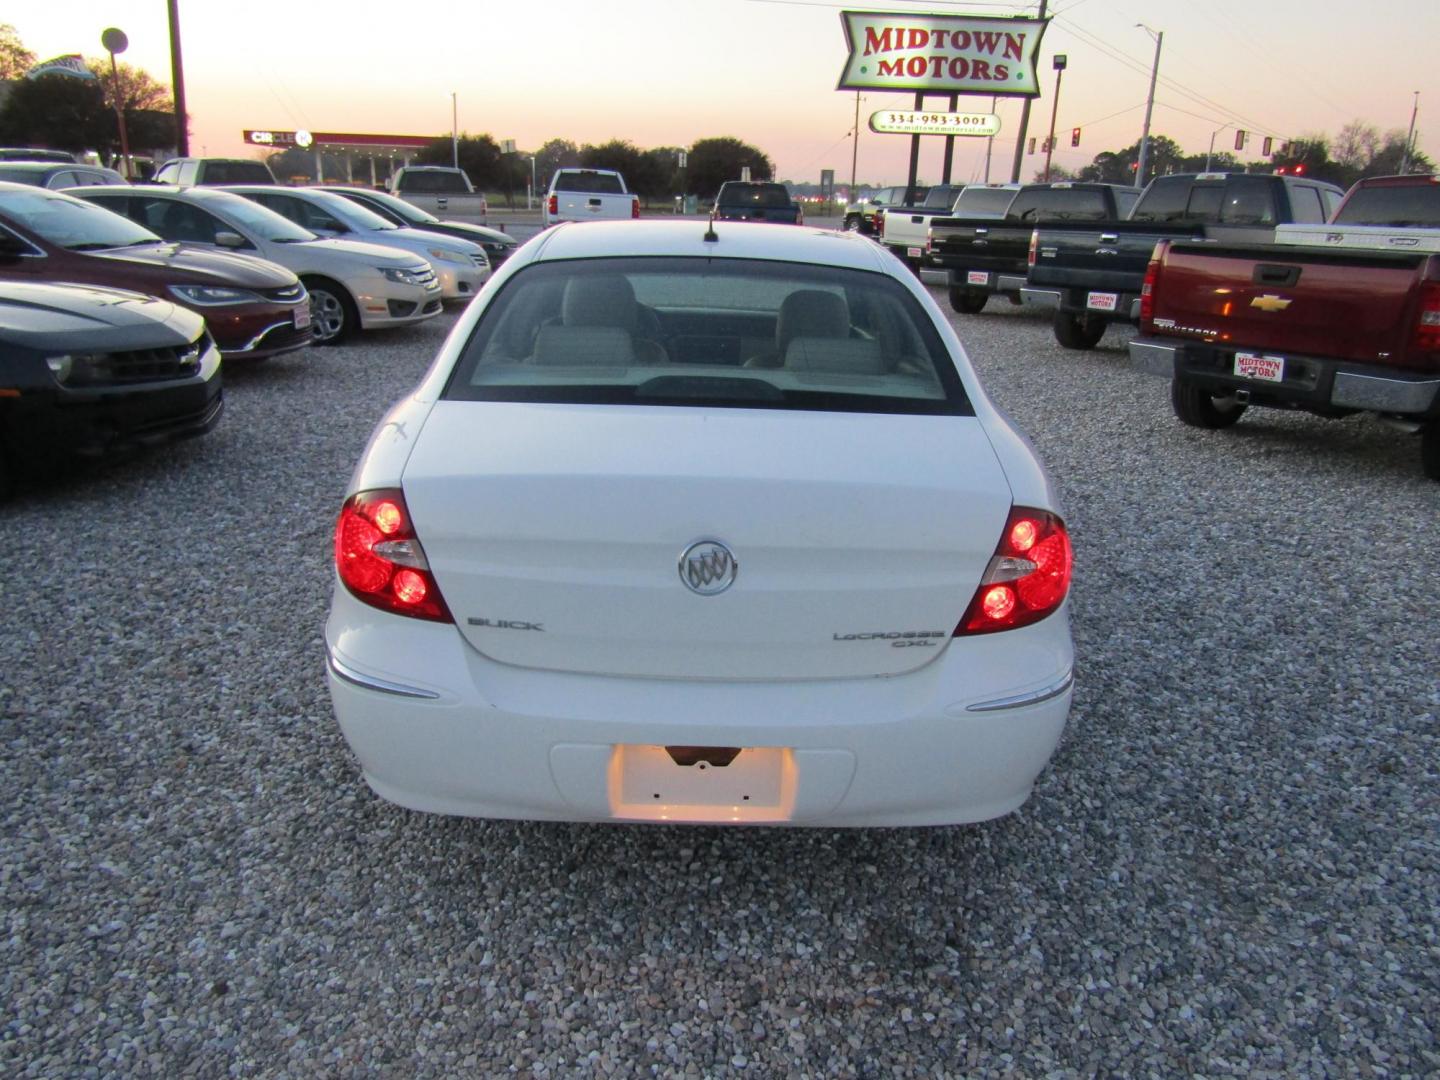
(707, 567)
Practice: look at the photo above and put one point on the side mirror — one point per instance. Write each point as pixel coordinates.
(228, 239)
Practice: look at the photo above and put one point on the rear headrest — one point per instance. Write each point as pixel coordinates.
(811, 313)
(837, 356)
(584, 346)
(598, 301)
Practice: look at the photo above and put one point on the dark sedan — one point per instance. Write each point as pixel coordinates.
(94, 371)
(397, 211)
(254, 309)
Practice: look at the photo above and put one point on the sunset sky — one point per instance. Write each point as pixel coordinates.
(669, 72)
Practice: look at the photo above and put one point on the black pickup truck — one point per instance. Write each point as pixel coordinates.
(985, 256)
(742, 200)
(1094, 270)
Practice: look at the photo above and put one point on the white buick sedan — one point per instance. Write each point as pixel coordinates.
(701, 524)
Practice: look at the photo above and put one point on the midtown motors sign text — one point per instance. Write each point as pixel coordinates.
(941, 54)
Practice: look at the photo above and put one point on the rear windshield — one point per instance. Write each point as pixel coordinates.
(236, 172)
(1392, 204)
(1059, 204)
(726, 333)
(1238, 200)
(754, 195)
(591, 182)
(984, 201)
(433, 182)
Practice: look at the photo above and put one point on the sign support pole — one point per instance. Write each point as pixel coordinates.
(950, 143)
(1024, 124)
(914, 153)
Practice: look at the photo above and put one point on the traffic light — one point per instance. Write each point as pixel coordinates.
(1265, 146)
(1074, 136)
(1032, 145)
(1240, 139)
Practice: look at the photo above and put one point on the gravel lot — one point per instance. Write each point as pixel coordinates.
(1231, 868)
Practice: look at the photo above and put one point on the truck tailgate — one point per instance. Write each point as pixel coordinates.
(1351, 305)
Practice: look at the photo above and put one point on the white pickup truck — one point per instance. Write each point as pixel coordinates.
(444, 192)
(589, 195)
(905, 229)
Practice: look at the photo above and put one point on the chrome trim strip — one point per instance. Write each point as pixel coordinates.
(370, 682)
(254, 342)
(1034, 697)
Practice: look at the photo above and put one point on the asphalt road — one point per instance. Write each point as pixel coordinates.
(1230, 868)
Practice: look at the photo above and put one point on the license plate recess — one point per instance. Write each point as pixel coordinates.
(646, 784)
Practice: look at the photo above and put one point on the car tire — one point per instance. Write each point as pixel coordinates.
(1430, 449)
(1196, 406)
(1075, 330)
(333, 317)
(968, 301)
(7, 476)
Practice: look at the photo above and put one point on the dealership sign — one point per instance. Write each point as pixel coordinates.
(941, 54)
(890, 122)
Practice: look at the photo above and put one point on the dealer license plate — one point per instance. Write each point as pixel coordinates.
(302, 316)
(1256, 366)
(1102, 301)
(914, 253)
(977, 277)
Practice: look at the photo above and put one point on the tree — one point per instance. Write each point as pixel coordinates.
(15, 58)
(138, 89)
(58, 111)
(715, 160)
(617, 154)
(479, 155)
(1356, 145)
(1118, 167)
(555, 154)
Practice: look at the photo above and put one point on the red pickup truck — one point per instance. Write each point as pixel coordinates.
(1318, 324)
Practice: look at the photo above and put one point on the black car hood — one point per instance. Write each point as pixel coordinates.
(82, 318)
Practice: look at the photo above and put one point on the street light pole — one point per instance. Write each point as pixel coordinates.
(115, 41)
(1211, 152)
(1024, 120)
(1410, 136)
(1054, 108)
(1143, 161)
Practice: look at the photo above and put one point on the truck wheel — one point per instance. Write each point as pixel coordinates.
(967, 301)
(1430, 449)
(852, 223)
(1198, 407)
(1079, 331)
(332, 313)
(7, 479)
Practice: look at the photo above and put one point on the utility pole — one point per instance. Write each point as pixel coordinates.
(115, 41)
(990, 139)
(1054, 108)
(1144, 159)
(454, 131)
(1410, 136)
(855, 147)
(177, 83)
(1024, 124)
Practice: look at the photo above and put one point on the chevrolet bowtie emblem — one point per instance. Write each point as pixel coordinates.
(1270, 302)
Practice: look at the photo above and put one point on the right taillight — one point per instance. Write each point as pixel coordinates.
(552, 207)
(380, 560)
(880, 225)
(1427, 321)
(635, 206)
(1028, 577)
(1147, 292)
(1034, 247)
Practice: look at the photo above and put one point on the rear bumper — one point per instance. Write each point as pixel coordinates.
(1312, 383)
(1039, 298)
(1008, 282)
(439, 728)
(1084, 302)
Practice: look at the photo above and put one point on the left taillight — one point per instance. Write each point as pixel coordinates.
(634, 206)
(1028, 577)
(380, 560)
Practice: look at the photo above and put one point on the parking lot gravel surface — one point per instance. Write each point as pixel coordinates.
(1230, 868)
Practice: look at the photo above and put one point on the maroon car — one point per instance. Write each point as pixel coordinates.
(253, 308)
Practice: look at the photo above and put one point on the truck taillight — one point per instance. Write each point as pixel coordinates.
(1427, 322)
(1027, 579)
(1034, 247)
(552, 207)
(634, 206)
(1147, 289)
(380, 560)
(880, 226)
